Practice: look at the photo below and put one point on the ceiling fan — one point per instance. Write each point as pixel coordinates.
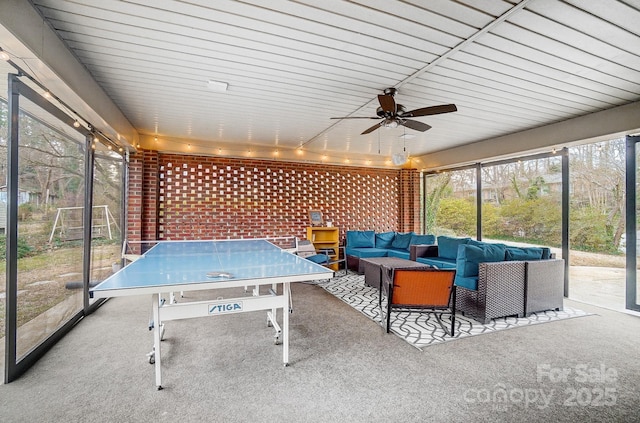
(394, 114)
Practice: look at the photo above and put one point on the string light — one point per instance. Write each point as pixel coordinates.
(76, 124)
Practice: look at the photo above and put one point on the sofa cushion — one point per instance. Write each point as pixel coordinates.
(522, 254)
(546, 253)
(422, 240)
(469, 283)
(366, 252)
(358, 239)
(448, 247)
(401, 241)
(384, 239)
(393, 252)
(470, 256)
(439, 262)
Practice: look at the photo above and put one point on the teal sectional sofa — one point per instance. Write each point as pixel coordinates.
(465, 255)
(493, 279)
(368, 244)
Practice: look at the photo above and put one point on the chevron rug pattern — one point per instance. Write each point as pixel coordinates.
(422, 329)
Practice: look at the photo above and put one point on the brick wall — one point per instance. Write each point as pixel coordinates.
(200, 197)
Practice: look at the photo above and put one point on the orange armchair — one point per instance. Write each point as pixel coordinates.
(419, 288)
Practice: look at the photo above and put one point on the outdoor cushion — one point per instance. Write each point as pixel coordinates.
(401, 241)
(385, 239)
(470, 256)
(469, 283)
(318, 258)
(422, 240)
(403, 254)
(439, 262)
(546, 253)
(366, 252)
(522, 254)
(358, 239)
(448, 247)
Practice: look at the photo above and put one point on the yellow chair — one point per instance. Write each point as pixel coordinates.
(419, 288)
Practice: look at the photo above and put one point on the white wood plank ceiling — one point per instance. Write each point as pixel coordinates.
(292, 65)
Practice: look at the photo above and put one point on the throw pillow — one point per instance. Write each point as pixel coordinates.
(401, 241)
(361, 239)
(522, 254)
(448, 247)
(385, 239)
(422, 240)
(470, 256)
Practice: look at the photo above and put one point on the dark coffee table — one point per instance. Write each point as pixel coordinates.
(372, 268)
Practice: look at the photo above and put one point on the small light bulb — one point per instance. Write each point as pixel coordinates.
(4, 55)
(76, 124)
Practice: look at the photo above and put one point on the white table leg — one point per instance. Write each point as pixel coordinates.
(157, 337)
(285, 324)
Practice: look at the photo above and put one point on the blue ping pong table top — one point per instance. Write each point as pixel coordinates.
(171, 263)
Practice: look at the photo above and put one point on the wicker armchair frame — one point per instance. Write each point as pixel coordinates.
(500, 293)
(544, 286)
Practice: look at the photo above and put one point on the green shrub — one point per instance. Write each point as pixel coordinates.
(589, 231)
(457, 215)
(23, 248)
(25, 211)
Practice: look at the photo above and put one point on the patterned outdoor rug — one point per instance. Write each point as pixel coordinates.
(422, 329)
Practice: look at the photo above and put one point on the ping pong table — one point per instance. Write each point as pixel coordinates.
(172, 266)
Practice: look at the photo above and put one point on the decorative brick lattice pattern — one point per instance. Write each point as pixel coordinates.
(208, 197)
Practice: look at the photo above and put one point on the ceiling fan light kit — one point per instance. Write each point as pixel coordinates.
(399, 159)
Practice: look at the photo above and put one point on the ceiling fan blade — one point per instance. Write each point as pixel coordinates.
(433, 110)
(373, 128)
(387, 103)
(356, 117)
(414, 124)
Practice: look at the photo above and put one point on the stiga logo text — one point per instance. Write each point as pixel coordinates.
(222, 308)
